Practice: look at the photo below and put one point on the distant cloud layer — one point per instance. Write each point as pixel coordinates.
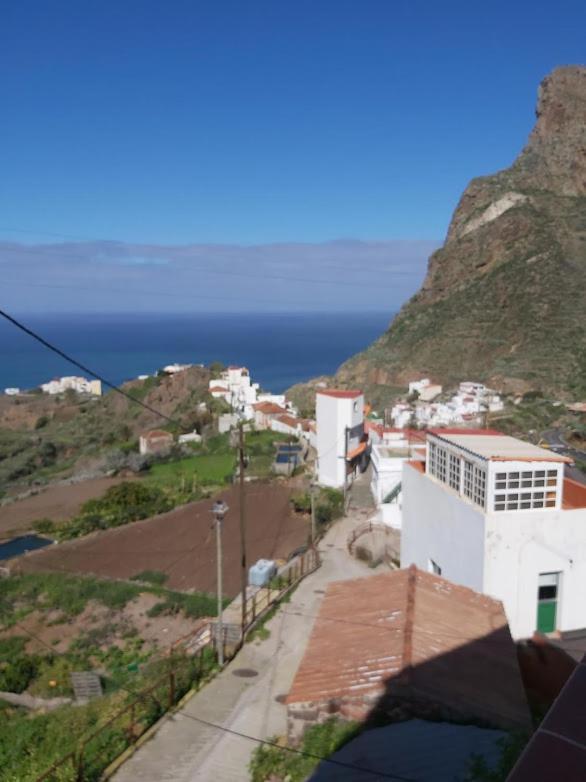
(339, 275)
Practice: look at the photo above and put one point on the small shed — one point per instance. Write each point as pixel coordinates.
(156, 441)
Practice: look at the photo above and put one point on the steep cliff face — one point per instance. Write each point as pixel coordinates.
(504, 300)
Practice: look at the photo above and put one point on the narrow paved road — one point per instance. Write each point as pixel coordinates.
(556, 441)
(186, 750)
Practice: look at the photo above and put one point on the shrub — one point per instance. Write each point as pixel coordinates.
(41, 421)
(44, 526)
(301, 502)
(121, 504)
(321, 741)
(151, 577)
(16, 675)
(330, 506)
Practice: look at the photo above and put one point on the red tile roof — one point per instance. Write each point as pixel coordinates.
(339, 393)
(445, 641)
(219, 389)
(557, 750)
(573, 494)
(155, 434)
(463, 430)
(288, 420)
(269, 408)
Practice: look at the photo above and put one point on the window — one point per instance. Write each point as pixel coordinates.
(433, 567)
(441, 464)
(479, 486)
(454, 475)
(525, 490)
(468, 478)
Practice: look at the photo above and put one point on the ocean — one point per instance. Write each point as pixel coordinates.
(279, 349)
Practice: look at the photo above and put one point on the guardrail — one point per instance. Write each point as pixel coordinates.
(164, 693)
(93, 754)
(363, 529)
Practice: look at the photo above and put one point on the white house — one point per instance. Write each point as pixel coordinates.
(496, 514)
(425, 389)
(190, 437)
(235, 387)
(12, 391)
(173, 369)
(264, 412)
(340, 434)
(390, 448)
(80, 384)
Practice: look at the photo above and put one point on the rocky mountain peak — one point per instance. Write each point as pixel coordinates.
(556, 151)
(503, 300)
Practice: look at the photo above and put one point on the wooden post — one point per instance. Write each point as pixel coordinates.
(132, 724)
(79, 765)
(243, 574)
(171, 689)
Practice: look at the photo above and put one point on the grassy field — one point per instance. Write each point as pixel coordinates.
(207, 469)
(54, 624)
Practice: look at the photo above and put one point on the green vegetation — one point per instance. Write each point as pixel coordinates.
(30, 744)
(194, 605)
(121, 504)
(151, 577)
(511, 747)
(318, 740)
(69, 595)
(60, 433)
(210, 469)
(329, 504)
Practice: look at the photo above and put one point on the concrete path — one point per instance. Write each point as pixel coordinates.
(185, 750)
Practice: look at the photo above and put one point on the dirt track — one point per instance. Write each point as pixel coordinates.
(182, 544)
(56, 503)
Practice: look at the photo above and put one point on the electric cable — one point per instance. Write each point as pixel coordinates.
(84, 368)
(255, 739)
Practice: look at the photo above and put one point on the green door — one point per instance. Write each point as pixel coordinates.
(547, 601)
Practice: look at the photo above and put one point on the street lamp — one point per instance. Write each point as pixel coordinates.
(219, 510)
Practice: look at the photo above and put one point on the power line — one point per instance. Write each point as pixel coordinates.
(255, 739)
(85, 369)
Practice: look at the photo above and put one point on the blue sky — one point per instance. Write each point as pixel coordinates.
(185, 122)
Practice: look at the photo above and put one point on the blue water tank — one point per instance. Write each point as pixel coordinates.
(260, 574)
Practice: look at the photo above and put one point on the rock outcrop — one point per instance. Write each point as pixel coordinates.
(504, 300)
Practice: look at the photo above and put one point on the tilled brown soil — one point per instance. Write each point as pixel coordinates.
(182, 543)
(57, 503)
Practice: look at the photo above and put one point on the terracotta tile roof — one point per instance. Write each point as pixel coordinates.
(219, 389)
(463, 430)
(557, 749)
(155, 434)
(288, 420)
(573, 494)
(339, 393)
(416, 629)
(269, 408)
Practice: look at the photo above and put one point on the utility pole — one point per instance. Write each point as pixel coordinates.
(219, 510)
(244, 575)
(346, 430)
(312, 496)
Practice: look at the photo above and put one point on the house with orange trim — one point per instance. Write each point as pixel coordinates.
(342, 444)
(499, 515)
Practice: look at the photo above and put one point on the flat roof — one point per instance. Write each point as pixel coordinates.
(501, 448)
(389, 452)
